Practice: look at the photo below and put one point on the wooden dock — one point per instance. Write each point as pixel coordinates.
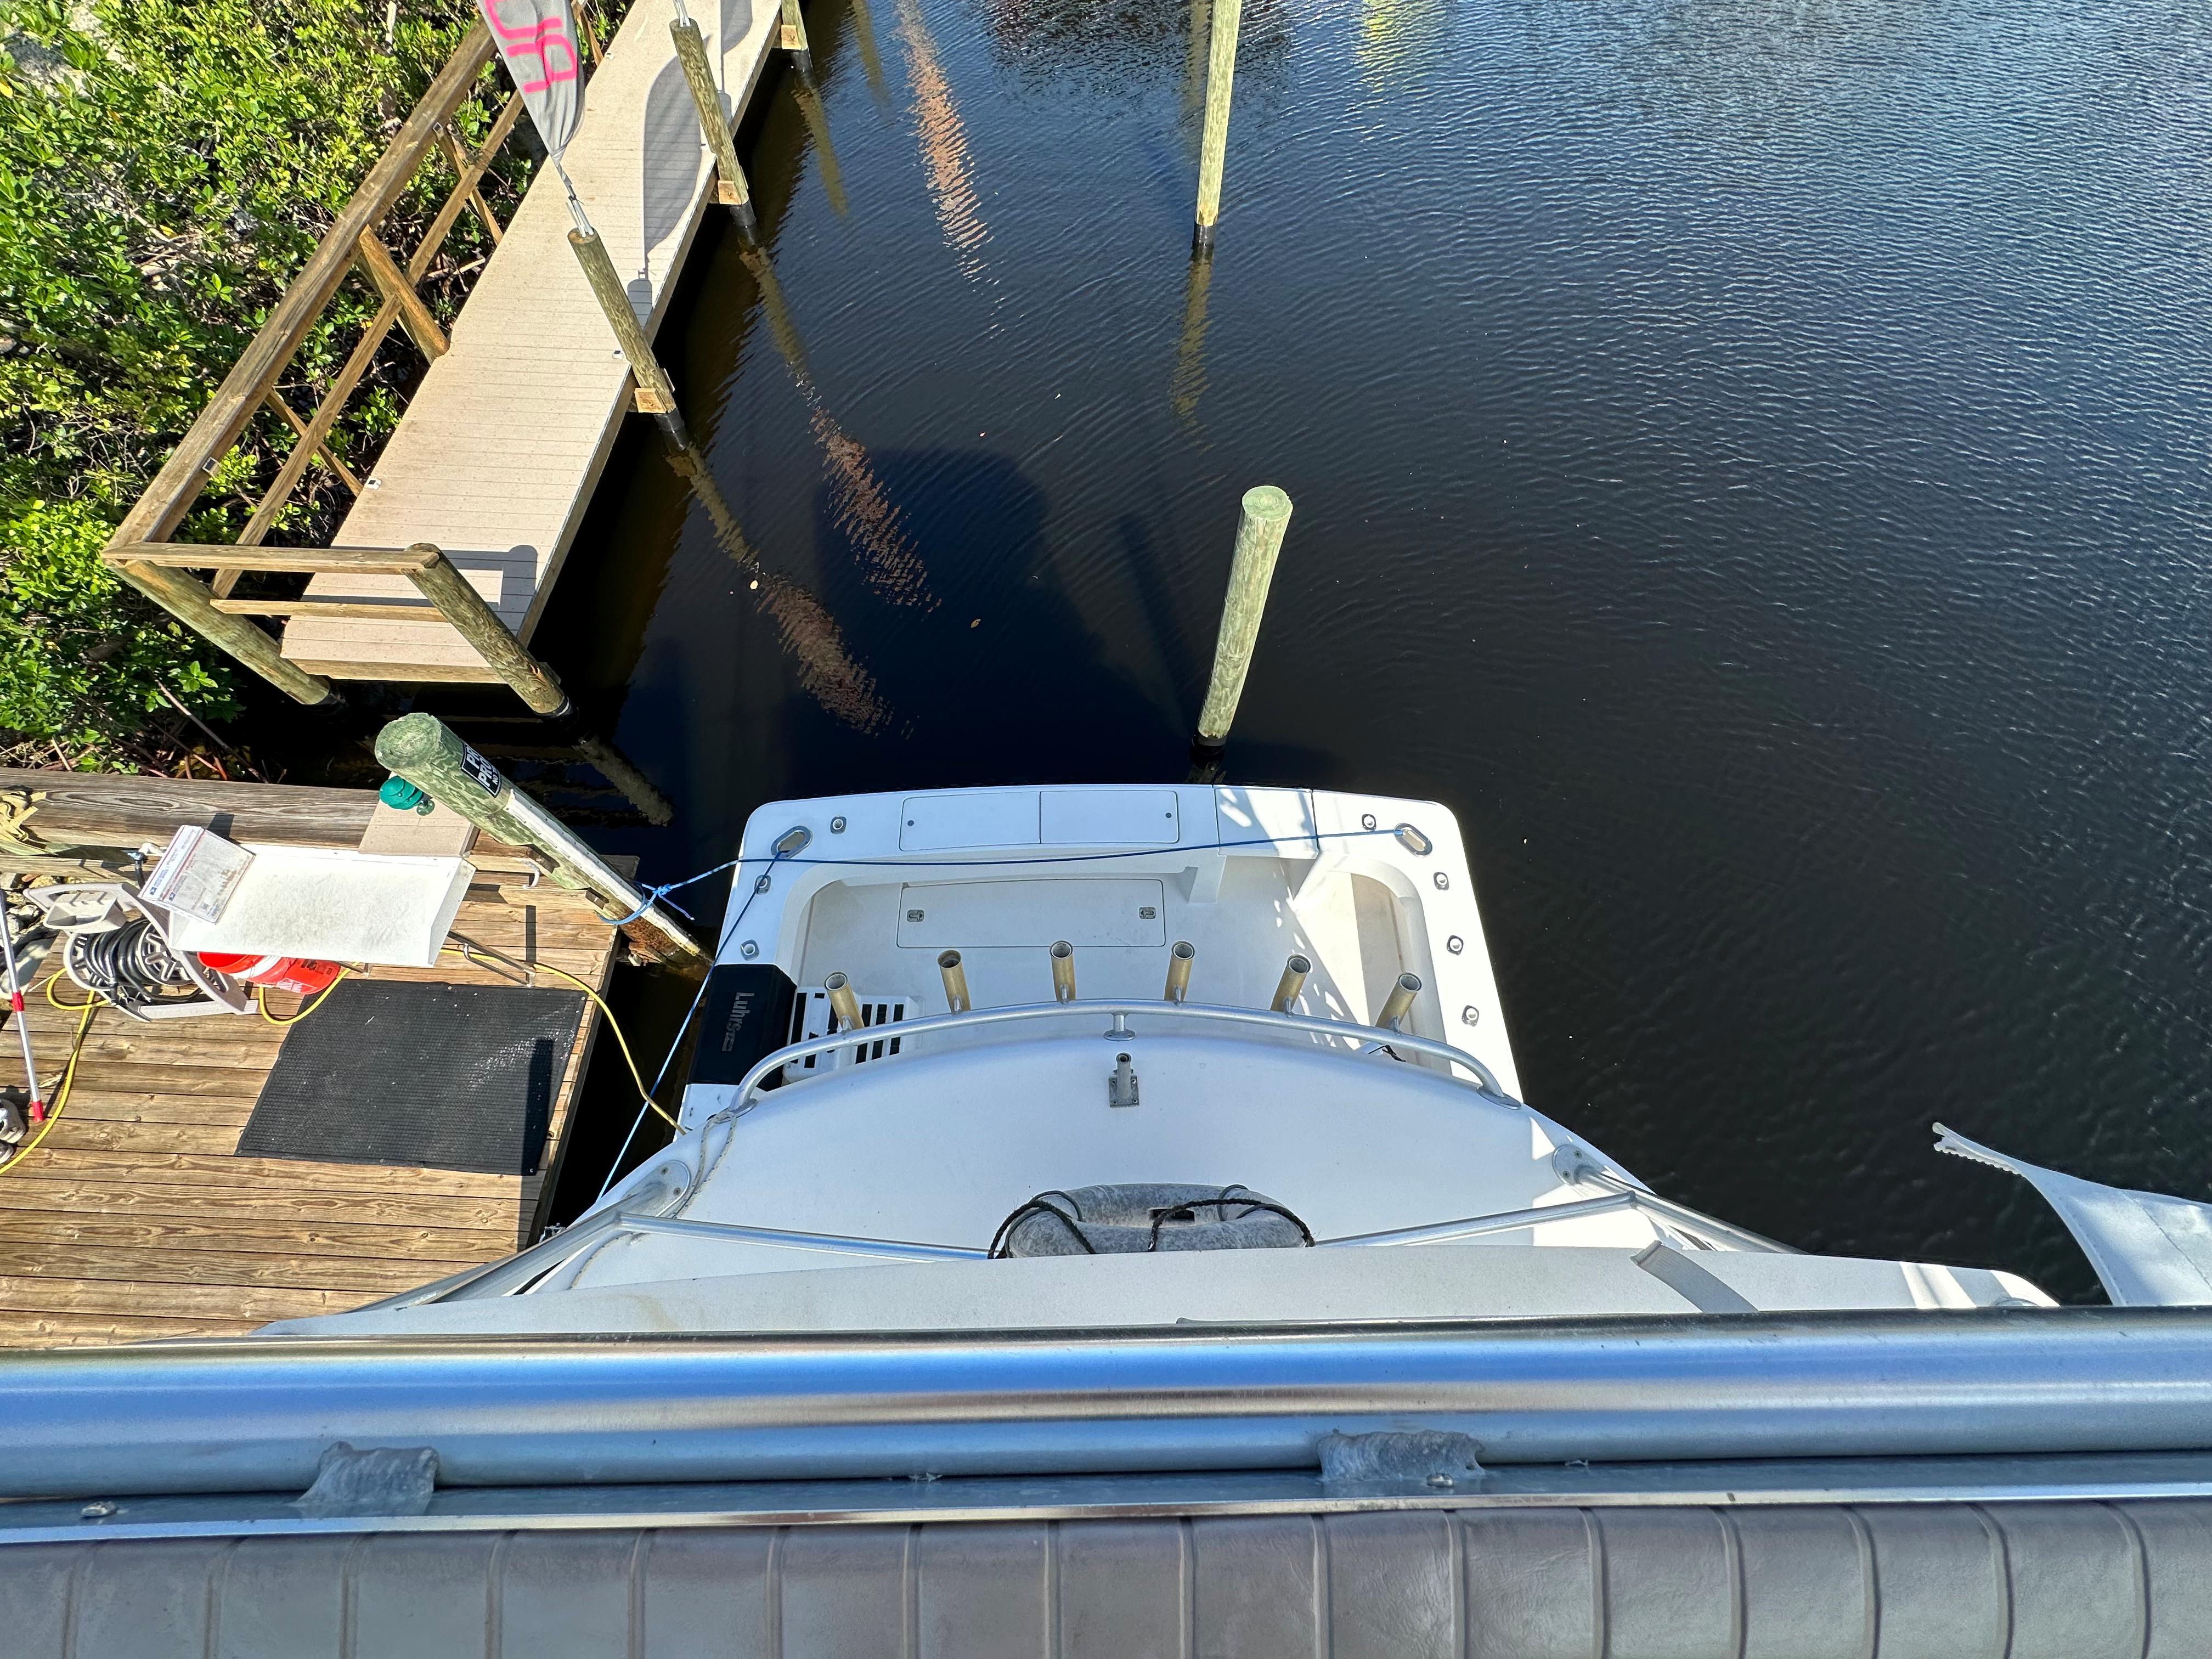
(136, 1218)
(496, 456)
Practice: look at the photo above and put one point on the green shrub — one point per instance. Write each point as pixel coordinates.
(165, 166)
(79, 661)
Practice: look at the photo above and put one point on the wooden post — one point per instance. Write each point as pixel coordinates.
(423, 750)
(192, 602)
(792, 36)
(1265, 516)
(415, 315)
(734, 194)
(474, 621)
(656, 393)
(1213, 140)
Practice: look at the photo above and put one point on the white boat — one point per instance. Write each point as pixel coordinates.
(1104, 1219)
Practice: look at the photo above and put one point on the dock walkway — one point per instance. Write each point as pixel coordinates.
(136, 1218)
(496, 457)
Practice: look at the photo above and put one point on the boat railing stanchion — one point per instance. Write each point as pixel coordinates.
(1400, 1002)
(955, 982)
(1292, 982)
(842, 1003)
(1179, 960)
(1063, 971)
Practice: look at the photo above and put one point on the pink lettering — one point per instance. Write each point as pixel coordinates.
(548, 42)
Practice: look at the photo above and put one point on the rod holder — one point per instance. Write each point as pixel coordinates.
(1399, 1003)
(1179, 960)
(955, 982)
(842, 1003)
(1292, 982)
(1063, 972)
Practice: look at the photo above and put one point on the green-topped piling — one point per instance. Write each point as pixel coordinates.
(425, 752)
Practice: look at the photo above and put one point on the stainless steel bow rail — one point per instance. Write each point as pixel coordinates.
(255, 1414)
(1485, 1080)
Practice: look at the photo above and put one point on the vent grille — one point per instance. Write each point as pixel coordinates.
(810, 1017)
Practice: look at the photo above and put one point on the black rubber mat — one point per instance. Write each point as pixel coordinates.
(442, 1077)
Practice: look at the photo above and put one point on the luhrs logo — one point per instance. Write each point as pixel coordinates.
(740, 1008)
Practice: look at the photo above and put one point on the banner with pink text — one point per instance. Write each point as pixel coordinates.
(536, 40)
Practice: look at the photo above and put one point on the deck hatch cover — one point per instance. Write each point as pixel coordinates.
(1110, 818)
(979, 915)
(989, 818)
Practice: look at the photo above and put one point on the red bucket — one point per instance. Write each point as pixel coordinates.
(301, 973)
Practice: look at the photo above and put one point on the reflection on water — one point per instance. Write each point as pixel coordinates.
(1394, 35)
(808, 632)
(1196, 43)
(864, 37)
(943, 145)
(1188, 385)
(825, 154)
(861, 509)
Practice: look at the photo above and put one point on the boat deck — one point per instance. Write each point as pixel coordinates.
(496, 457)
(135, 1218)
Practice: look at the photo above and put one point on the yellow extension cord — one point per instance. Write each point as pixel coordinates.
(260, 1000)
(69, 1073)
(600, 1002)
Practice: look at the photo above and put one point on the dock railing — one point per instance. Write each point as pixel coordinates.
(169, 572)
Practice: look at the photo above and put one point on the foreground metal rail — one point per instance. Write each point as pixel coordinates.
(257, 1413)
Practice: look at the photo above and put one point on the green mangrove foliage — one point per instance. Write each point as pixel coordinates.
(165, 166)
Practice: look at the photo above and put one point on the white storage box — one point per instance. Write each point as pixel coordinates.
(338, 906)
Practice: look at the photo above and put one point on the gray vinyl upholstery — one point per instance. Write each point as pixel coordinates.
(2071, 1581)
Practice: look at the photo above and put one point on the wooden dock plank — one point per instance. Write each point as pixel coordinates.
(496, 455)
(135, 1219)
(21, 1328)
(494, 1218)
(256, 1236)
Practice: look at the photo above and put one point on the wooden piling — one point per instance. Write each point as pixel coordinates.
(460, 603)
(191, 602)
(656, 393)
(792, 36)
(1213, 140)
(734, 194)
(1265, 515)
(424, 750)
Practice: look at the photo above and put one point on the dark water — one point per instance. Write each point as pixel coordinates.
(1750, 462)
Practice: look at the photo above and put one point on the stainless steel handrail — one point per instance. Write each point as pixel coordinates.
(257, 1413)
(1505, 1221)
(1486, 1083)
(1575, 1168)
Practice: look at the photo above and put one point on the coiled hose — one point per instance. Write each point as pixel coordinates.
(130, 963)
